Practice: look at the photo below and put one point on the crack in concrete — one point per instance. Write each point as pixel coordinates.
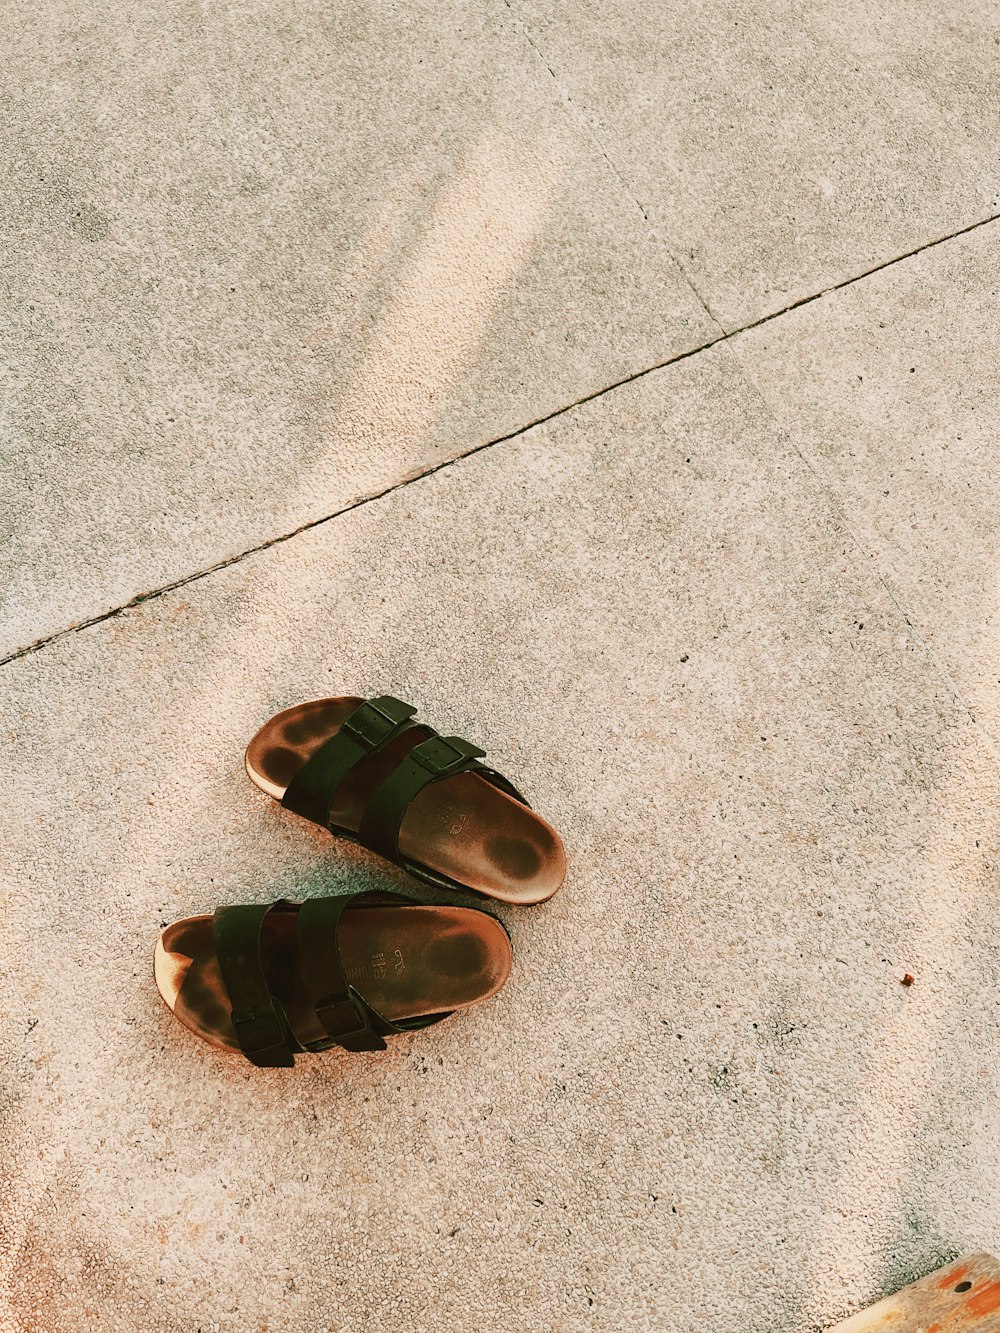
(580, 118)
(584, 124)
(724, 336)
(866, 273)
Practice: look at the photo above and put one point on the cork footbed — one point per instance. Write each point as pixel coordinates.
(460, 827)
(405, 961)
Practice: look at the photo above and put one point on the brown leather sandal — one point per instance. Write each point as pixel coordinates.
(365, 771)
(273, 980)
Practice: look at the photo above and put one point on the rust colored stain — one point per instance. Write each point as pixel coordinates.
(986, 1301)
(951, 1278)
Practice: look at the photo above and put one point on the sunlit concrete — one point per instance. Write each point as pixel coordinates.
(891, 389)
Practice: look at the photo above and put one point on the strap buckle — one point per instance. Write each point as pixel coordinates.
(263, 1038)
(347, 1021)
(445, 754)
(373, 722)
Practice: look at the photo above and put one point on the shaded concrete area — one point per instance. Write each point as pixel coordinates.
(781, 148)
(260, 265)
(890, 389)
(731, 625)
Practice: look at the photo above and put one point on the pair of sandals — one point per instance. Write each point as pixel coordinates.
(273, 980)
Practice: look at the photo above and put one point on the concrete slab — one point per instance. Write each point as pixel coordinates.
(261, 262)
(890, 390)
(704, 1101)
(781, 148)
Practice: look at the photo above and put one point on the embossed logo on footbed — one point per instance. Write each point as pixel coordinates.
(379, 967)
(452, 820)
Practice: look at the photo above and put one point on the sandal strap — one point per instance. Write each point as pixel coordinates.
(433, 759)
(261, 1026)
(371, 726)
(350, 1021)
(365, 732)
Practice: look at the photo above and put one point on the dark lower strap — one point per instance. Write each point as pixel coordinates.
(346, 1016)
(261, 1026)
(371, 726)
(433, 759)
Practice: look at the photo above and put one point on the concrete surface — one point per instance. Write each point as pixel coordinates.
(785, 147)
(704, 1101)
(891, 389)
(260, 264)
(752, 690)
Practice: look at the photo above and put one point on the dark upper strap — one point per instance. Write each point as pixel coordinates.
(349, 1020)
(259, 1020)
(369, 728)
(433, 759)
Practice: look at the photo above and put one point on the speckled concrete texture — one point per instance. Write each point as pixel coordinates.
(704, 1102)
(785, 147)
(890, 388)
(732, 625)
(261, 260)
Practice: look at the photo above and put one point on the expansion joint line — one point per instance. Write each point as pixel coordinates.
(722, 337)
